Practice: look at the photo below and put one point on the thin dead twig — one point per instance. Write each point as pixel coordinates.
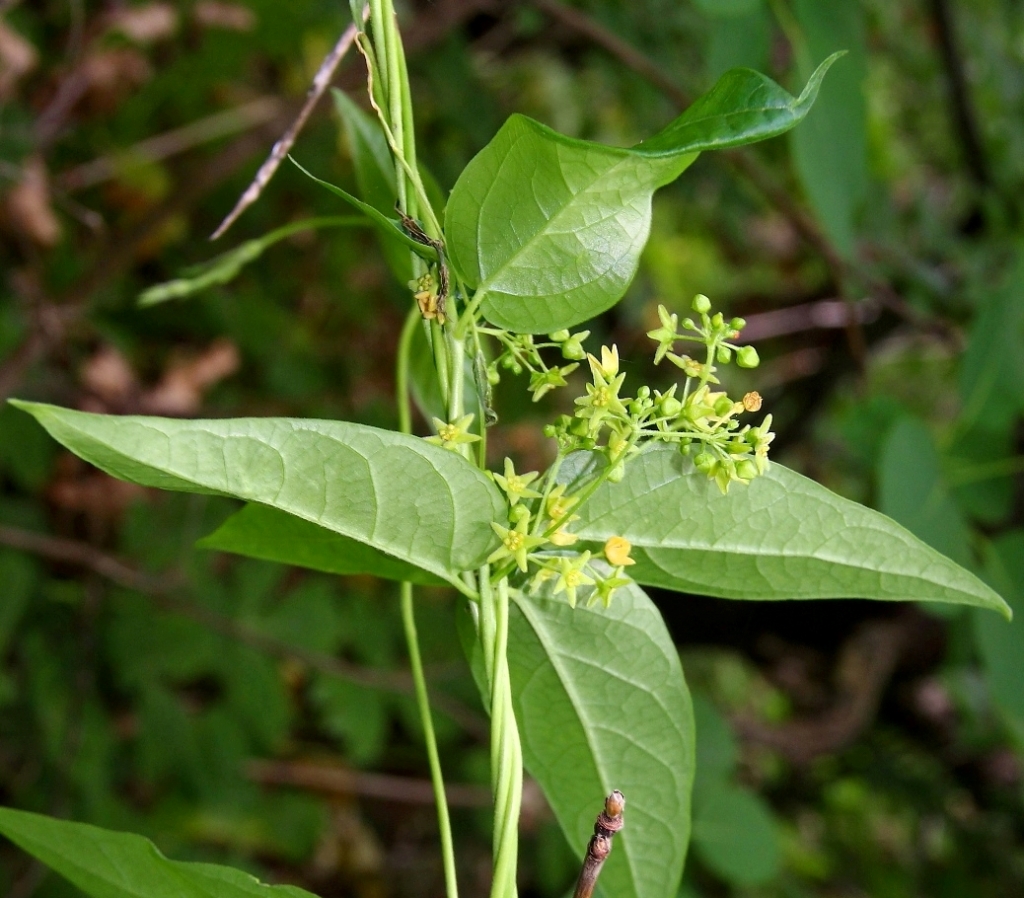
(340, 781)
(163, 591)
(280, 149)
(253, 114)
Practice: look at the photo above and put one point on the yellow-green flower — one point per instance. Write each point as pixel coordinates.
(571, 576)
(516, 486)
(450, 435)
(516, 543)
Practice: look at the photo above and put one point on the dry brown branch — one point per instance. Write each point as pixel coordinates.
(280, 149)
(335, 780)
(865, 665)
(608, 823)
(164, 592)
(249, 115)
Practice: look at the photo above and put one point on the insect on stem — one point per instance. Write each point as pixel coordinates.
(608, 823)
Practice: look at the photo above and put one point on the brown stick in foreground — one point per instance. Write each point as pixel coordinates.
(608, 823)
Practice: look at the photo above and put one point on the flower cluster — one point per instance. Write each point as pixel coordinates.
(535, 539)
(521, 352)
(698, 418)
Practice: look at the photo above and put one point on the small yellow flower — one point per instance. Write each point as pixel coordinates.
(562, 537)
(608, 367)
(617, 550)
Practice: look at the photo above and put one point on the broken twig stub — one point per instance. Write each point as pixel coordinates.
(608, 823)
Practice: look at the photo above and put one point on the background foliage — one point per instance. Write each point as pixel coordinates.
(241, 712)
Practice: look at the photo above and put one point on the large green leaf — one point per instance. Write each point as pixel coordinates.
(419, 503)
(781, 537)
(602, 704)
(106, 864)
(549, 229)
(260, 531)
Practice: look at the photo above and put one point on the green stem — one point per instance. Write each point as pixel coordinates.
(506, 749)
(436, 775)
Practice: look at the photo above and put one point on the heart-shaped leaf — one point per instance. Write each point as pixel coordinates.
(105, 864)
(781, 537)
(411, 500)
(602, 704)
(549, 229)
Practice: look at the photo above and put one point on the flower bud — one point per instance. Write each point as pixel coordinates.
(701, 304)
(559, 336)
(643, 392)
(737, 324)
(746, 469)
(723, 406)
(717, 320)
(705, 462)
(670, 406)
(616, 474)
(747, 357)
(724, 355)
(493, 377)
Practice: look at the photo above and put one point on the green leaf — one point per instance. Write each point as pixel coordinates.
(260, 531)
(419, 503)
(830, 150)
(781, 537)
(743, 107)
(106, 864)
(1001, 645)
(735, 835)
(549, 229)
(227, 266)
(912, 491)
(375, 174)
(602, 704)
(371, 156)
(390, 228)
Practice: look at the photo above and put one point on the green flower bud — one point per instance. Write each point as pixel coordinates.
(717, 321)
(493, 377)
(701, 304)
(643, 392)
(705, 462)
(724, 355)
(685, 448)
(559, 336)
(746, 469)
(670, 406)
(723, 406)
(573, 348)
(579, 427)
(688, 324)
(747, 357)
(518, 513)
(617, 473)
(586, 443)
(737, 324)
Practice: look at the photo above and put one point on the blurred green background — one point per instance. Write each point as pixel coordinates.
(250, 714)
